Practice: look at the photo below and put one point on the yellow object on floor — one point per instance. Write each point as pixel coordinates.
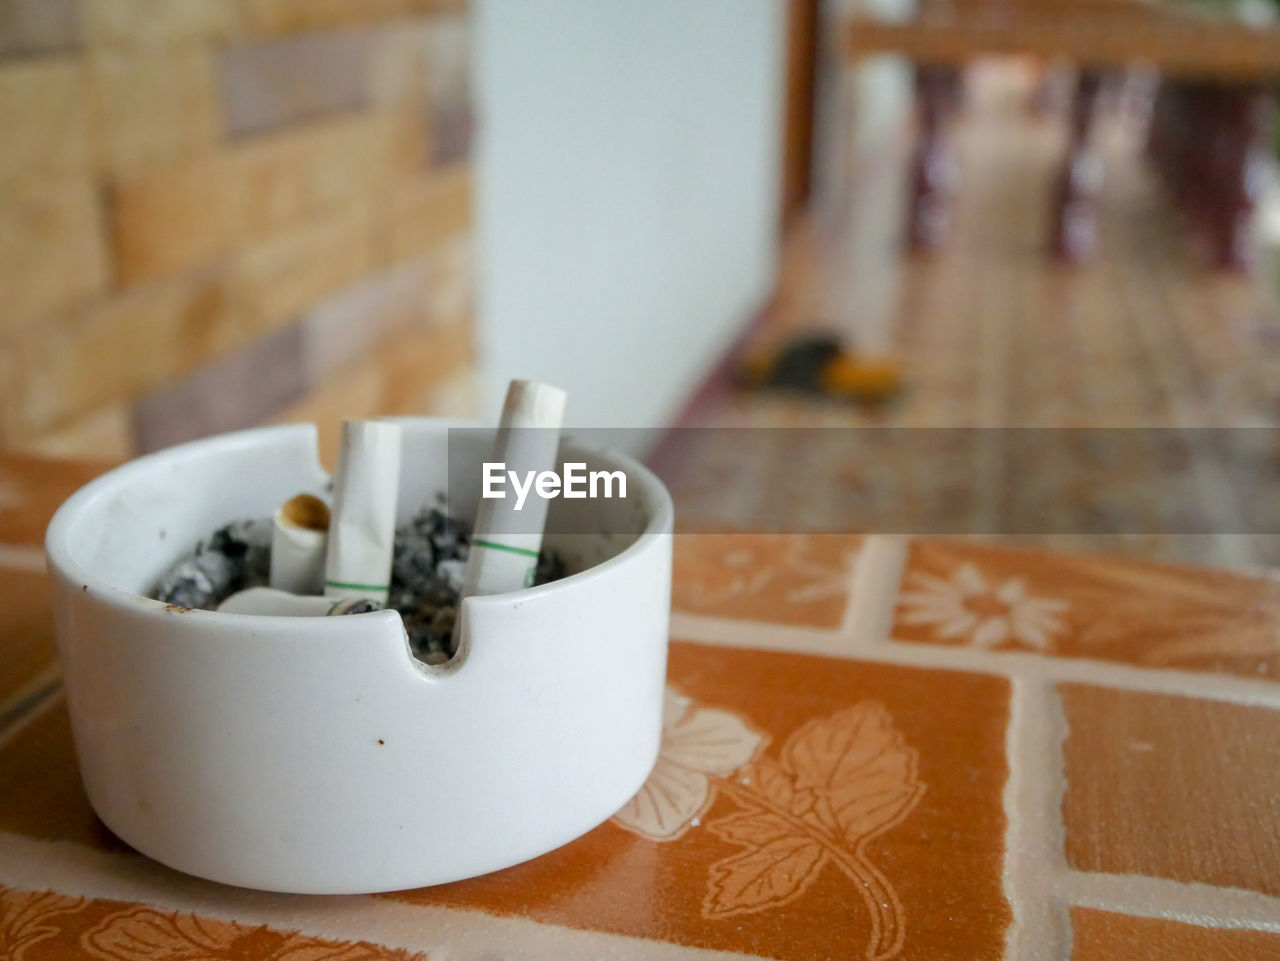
(820, 364)
(869, 380)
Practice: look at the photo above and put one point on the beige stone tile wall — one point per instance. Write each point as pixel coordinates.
(190, 192)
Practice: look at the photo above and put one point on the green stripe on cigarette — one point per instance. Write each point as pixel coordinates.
(523, 551)
(347, 586)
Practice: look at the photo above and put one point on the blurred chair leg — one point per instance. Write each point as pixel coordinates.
(1074, 219)
(934, 173)
(1245, 133)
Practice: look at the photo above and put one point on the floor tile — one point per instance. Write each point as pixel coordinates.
(1080, 605)
(1103, 936)
(1172, 787)
(41, 795)
(796, 579)
(46, 926)
(26, 633)
(791, 794)
(31, 490)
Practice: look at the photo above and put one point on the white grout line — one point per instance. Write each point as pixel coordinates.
(700, 629)
(873, 593)
(451, 934)
(22, 557)
(945, 657)
(993, 389)
(1149, 897)
(1034, 841)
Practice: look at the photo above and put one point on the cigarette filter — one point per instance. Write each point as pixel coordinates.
(299, 542)
(362, 528)
(505, 542)
(268, 600)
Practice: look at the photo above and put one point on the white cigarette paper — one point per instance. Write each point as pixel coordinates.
(362, 529)
(268, 600)
(299, 542)
(505, 543)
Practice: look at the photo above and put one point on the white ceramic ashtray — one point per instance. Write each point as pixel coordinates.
(317, 755)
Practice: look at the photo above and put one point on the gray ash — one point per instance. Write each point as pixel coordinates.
(428, 559)
(426, 577)
(235, 557)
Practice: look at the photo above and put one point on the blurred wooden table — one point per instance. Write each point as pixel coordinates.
(1091, 34)
(874, 748)
(1237, 62)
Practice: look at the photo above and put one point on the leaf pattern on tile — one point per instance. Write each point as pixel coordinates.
(25, 918)
(143, 933)
(696, 743)
(146, 934)
(768, 875)
(841, 781)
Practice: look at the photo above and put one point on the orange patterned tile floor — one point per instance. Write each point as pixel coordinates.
(799, 810)
(874, 747)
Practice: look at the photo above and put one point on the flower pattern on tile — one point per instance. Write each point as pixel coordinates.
(965, 606)
(840, 782)
(25, 918)
(821, 580)
(1141, 613)
(697, 743)
(733, 574)
(145, 934)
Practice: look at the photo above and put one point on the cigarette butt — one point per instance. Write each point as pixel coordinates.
(505, 543)
(268, 600)
(362, 528)
(299, 542)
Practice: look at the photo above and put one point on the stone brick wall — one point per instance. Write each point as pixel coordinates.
(216, 213)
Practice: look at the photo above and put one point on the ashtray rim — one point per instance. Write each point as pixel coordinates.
(62, 561)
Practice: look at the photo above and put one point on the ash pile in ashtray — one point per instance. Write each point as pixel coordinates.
(426, 577)
(426, 573)
(235, 558)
